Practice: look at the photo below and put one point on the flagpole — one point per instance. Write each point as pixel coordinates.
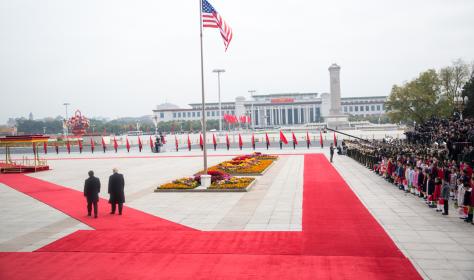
(202, 93)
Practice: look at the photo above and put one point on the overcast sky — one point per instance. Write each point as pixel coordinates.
(121, 58)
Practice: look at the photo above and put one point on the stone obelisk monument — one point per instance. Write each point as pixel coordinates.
(335, 89)
(335, 117)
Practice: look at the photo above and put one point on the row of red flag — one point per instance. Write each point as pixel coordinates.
(92, 145)
(231, 119)
(283, 140)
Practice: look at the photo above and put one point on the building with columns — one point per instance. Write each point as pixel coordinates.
(283, 109)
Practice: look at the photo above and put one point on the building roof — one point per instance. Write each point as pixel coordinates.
(212, 103)
(286, 94)
(363, 97)
(166, 106)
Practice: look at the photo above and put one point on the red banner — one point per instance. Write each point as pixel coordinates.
(283, 138)
(68, 147)
(294, 138)
(92, 145)
(282, 100)
(115, 144)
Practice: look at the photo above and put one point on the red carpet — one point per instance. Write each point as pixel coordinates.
(72, 203)
(335, 222)
(340, 240)
(181, 242)
(74, 265)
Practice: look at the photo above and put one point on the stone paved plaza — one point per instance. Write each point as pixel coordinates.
(439, 247)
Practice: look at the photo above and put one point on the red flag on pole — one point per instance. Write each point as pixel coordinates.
(283, 138)
(294, 138)
(253, 141)
(308, 140)
(227, 141)
(79, 143)
(92, 145)
(267, 140)
(68, 146)
(321, 139)
(201, 142)
(214, 141)
(335, 139)
(104, 147)
(140, 145)
(176, 142)
(115, 144)
(128, 146)
(189, 143)
(151, 144)
(241, 143)
(45, 147)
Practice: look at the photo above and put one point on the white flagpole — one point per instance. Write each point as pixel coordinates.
(203, 110)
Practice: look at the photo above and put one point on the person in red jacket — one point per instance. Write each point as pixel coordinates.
(471, 209)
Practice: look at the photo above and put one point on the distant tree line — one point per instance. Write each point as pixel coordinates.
(432, 94)
(120, 126)
(383, 119)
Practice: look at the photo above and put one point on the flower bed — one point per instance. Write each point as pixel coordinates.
(232, 183)
(181, 184)
(255, 155)
(243, 168)
(252, 164)
(222, 174)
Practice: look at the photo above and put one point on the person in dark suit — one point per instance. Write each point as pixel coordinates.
(331, 151)
(91, 192)
(116, 191)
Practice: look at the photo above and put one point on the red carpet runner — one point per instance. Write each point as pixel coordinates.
(340, 240)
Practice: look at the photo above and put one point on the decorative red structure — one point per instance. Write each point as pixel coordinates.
(78, 124)
(24, 165)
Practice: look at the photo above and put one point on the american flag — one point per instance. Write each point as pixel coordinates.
(212, 19)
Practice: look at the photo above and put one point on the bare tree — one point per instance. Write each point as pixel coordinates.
(453, 78)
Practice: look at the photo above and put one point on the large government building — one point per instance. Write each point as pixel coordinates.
(283, 108)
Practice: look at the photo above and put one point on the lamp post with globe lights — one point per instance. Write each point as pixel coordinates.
(66, 129)
(460, 102)
(219, 71)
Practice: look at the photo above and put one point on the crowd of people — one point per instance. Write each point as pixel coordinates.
(434, 162)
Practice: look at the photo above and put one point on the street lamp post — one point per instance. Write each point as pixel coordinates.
(219, 71)
(67, 129)
(252, 92)
(155, 121)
